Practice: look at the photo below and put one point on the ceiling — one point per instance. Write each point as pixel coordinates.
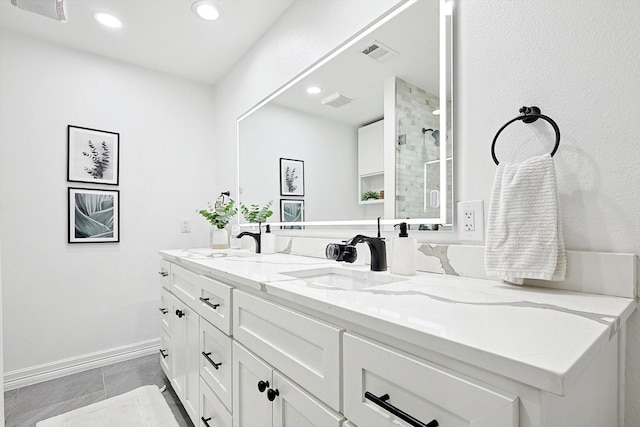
(163, 35)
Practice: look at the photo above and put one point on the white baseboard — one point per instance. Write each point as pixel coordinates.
(49, 371)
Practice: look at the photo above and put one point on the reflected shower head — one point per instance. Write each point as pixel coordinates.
(435, 134)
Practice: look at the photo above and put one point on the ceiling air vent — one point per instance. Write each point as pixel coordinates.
(380, 52)
(336, 100)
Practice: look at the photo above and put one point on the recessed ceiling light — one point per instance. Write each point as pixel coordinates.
(436, 112)
(313, 90)
(107, 19)
(206, 10)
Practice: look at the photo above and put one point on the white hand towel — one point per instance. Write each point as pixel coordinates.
(524, 232)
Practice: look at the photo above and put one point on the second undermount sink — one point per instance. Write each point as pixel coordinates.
(344, 278)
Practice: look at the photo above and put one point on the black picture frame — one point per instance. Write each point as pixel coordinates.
(93, 156)
(291, 177)
(93, 215)
(291, 210)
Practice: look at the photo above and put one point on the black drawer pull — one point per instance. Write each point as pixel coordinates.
(382, 402)
(163, 310)
(206, 301)
(163, 273)
(179, 313)
(215, 365)
(272, 394)
(164, 356)
(262, 386)
(204, 420)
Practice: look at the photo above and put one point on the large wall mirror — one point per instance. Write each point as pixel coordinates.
(373, 139)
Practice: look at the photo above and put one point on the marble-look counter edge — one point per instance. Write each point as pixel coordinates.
(539, 377)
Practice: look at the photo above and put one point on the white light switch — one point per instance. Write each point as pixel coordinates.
(185, 225)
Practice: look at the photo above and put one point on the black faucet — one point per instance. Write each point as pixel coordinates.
(346, 251)
(256, 237)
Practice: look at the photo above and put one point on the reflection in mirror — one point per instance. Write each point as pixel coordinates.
(371, 143)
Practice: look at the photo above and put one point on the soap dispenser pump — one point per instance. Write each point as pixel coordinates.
(403, 252)
(268, 241)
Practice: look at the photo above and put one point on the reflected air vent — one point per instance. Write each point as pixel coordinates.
(380, 52)
(336, 100)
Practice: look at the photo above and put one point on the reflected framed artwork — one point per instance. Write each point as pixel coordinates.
(291, 177)
(94, 215)
(291, 211)
(92, 155)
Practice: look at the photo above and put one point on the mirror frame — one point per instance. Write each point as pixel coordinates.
(446, 111)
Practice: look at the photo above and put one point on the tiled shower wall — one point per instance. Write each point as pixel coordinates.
(414, 112)
(414, 108)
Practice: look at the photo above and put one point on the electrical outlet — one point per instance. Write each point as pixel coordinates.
(470, 220)
(185, 225)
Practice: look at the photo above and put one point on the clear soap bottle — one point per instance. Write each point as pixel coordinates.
(403, 253)
(268, 243)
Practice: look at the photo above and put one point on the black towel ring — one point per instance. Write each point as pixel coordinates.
(529, 115)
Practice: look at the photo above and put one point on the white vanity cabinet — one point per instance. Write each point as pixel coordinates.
(249, 352)
(263, 397)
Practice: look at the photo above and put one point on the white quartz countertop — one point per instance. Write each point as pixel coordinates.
(539, 336)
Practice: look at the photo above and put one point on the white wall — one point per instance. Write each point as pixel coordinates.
(576, 59)
(328, 148)
(62, 301)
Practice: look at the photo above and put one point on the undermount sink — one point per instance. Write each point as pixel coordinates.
(343, 278)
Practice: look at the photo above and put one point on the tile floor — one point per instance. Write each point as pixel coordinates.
(25, 406)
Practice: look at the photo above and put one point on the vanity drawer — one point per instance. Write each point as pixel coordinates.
(212, 411)
(214, 303)
(164, 311)
(422, 390)
(216, 367)
(165, 270)
(185, 285)
(302, 348)
(165, 354)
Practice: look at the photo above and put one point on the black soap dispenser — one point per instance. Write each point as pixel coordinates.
(403, 252)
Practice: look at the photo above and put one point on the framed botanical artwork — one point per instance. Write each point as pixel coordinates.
(92, 155)
(291, 177)
(291, 211)
(94, 215)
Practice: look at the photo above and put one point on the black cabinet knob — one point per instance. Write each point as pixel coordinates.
(272, 394)
(262, 385)
(179, 313)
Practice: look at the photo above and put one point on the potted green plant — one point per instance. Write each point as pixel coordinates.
(219, 216)
(255, 213)
(369, 195)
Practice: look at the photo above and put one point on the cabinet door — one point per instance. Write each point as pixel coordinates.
(185, 351)
(376, 373)
(293, 407)
(212, 411)
(371, 148)
(251, 408)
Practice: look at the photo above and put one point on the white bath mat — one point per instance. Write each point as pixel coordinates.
(142, 407)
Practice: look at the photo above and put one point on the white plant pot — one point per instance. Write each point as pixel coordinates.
(219, 238)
